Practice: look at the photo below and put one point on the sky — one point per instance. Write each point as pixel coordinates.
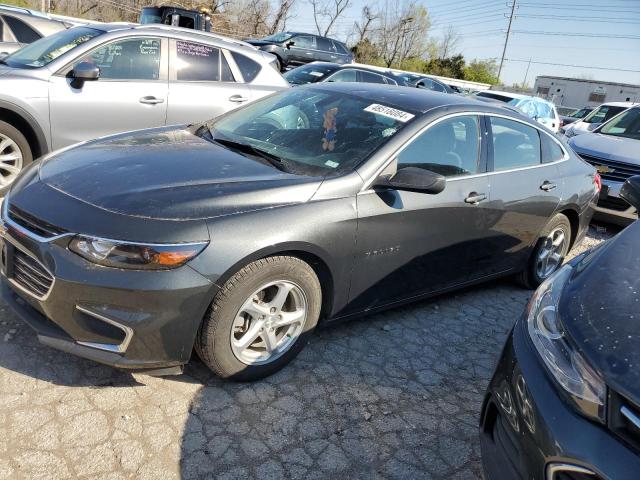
(581, 33)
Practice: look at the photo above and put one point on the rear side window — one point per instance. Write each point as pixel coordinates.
(324, 44)
(551, 151)
(23, 32)
(197, 62)
(450, 147)
(249, 68)
(368, 77)
(515, 145)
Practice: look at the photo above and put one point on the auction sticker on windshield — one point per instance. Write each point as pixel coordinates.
(389, 112)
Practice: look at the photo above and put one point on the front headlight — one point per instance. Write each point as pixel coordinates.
(566, 365)
(137, 256)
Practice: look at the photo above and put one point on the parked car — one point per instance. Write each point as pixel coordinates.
(540, 110)
(422, 81)
(293, 49)
(97, 80)
(21, 26)
(564, 402)
(597, 117)
(240, 234)
(573, 116)
(614, 149)
(333, 72)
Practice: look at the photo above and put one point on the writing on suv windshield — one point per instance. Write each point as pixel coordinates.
(311, 131)
(44, 51)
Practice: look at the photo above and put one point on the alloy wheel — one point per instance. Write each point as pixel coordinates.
(268, 323)
(10, 160)
(551, 252)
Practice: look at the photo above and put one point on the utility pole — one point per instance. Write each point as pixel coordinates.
(506, 40)
(526, 73)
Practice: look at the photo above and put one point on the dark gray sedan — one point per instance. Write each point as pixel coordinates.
(319, 203)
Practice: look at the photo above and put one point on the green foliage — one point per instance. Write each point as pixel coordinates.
(452, 67)
(483, 71)
(18, 3)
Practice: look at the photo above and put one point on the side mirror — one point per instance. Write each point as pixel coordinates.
(630, 191)
(85, 71)
(414, 179)
(290, 44)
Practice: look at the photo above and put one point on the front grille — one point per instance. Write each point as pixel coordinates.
(30, 274)
(33, 224)
(614, 203)
(624, 419)
(620, 171)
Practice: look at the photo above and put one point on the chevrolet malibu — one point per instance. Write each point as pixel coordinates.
(235, 237)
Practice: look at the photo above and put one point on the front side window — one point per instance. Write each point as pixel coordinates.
(603, 113)
(311, 131)
(346, 75)
(47, 49)
(515, 145)
(450, 147)
(626, 125)
(23, 32)
(196, 62)
(134, 59)
(303, 41)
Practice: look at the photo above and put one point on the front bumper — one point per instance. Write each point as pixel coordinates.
(611, 207)
(527, 431)
(123, 318)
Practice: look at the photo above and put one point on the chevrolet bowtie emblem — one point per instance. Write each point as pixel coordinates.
(604, 169)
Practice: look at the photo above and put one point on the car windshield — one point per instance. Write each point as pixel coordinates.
(626, 125)
(312, 131)
(580, 113)
(278, 37)
(309, 74)
(47, 49)
(603, 114)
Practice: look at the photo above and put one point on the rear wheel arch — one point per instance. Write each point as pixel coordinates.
(574, 221)
(27, 125)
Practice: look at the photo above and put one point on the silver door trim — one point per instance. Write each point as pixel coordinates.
(121, 347)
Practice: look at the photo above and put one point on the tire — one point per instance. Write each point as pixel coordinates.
(279, 64)
(15, 145)
(220, 326)
(532, 276)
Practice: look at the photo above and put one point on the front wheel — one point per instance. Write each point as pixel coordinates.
(261, 319)
(15, 154)
(549, 252)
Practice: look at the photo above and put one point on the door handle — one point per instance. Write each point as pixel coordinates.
(475, 198)
(151, 100)
(547, 186)
(238, 99)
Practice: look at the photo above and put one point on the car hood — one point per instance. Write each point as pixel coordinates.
(260, 43)
(599, 309)
(607, 147)
(170, 174)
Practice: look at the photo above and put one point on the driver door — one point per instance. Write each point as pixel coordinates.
(303, 50)
(412, 243)
(130, 94)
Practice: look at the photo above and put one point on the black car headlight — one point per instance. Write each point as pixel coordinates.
(131, 255)
(576, 378)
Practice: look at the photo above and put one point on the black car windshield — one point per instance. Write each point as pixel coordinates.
(309, 74)
(626, 125)
(312, 130)
(47, 49)
(278, 37)
(603, 114)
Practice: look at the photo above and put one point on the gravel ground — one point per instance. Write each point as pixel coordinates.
(395, 395)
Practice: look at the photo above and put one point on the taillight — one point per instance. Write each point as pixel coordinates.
(597, 181)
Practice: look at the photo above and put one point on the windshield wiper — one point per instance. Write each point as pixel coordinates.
(274, 160)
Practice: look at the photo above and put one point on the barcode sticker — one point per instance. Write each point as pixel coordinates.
(389, 112)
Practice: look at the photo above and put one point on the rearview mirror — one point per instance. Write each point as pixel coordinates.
(414, 179)
(85, 71)
(630, 191)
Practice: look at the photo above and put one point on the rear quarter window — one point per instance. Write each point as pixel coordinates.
(248, 67)
(23, 32)
(551, 150)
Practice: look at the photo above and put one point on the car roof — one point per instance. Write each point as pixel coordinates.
(617, 104)
(506, 94)
(313, 35)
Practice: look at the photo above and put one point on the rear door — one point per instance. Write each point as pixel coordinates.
(204, 83)
(525, 191)
(326, 50)
(130, 94)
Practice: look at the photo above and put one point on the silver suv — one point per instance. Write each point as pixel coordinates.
(20, 26)
(91, 81)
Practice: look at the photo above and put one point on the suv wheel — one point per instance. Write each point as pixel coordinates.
(15, 154)
(261, 319)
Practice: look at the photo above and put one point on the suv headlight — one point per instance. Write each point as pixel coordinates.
(582, 384)
(131, 255)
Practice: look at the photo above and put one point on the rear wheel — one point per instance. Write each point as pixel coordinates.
(549, 252)
(260, 319)
(15, 154)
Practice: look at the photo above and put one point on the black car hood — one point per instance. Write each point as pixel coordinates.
(172, 174)
(600, 308)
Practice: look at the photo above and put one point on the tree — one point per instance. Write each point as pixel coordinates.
(482, 71)
(402, 33)
(449, 43)
(326, 12)
(452, 67)
(363, 27)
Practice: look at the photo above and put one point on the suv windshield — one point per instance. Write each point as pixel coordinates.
(312, 131)
(309, 74)
(625, 125)
(47, 49)
(603, 113)
(278, 37)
